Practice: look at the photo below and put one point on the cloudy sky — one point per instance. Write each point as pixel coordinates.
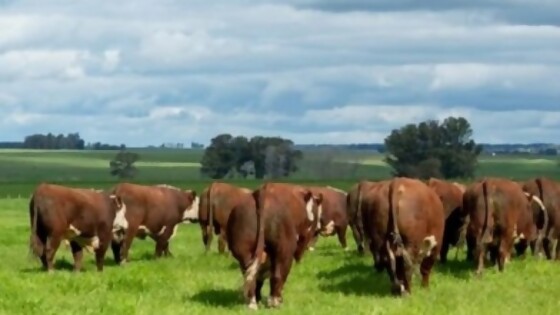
(333, 71)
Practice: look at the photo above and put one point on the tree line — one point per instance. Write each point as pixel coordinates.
(50, 141)
(428, 149)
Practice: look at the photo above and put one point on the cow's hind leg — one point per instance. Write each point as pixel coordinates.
(162, 243)
(78, 254)
(357, 238)
(125, 247)
(53, 243)
(116, 248)
(222, 241)
(280, 269)
(341, 233)
(426, 268)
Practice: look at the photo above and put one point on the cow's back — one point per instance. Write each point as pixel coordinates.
(420, 211)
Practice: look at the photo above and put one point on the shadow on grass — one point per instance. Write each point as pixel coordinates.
(59, 265)
(461, 269)
(355, 279)
(218, 297)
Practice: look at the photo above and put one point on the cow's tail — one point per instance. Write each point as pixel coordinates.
(486, 233)
(210, 212)
(253, 268)
(542, 232)
(545, 212)
(395, 236)
(359, 216)
(36, 246)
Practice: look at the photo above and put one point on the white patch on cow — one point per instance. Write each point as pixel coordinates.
(191, 213)
(319, 216)
(328, 229)
(428, 245)
(539, 202)
(144, 229)
(246, 190)
(337, 190)
(309, 209)
(251, 272)
(120, 222)
(162, 230)
(72, 232)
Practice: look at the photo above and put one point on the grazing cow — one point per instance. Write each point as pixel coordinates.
(353, 212)
(451, 196)
(404, 223)
(548, 223)
(334, 218)
(216, 203)
(153, 211)
(499, 210)
(265, 236)
(86, 218)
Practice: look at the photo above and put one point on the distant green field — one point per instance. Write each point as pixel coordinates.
(21, 170)
(326, 281)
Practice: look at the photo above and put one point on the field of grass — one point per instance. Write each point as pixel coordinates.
(326, 281)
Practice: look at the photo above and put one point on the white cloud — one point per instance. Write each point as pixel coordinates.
(313, 71)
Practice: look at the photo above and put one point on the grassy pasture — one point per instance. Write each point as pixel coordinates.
(327, 281)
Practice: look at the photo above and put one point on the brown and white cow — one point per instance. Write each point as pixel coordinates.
(216, 203)
(547, 192)
(353, 212)
(153, 211)
(451, 196)
(86, 218)
(334, 219)
(267, 234)
(499, 214)
(404, 223)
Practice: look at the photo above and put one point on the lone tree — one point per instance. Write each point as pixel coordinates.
(431, 149)
(262, 156)
(123, 164)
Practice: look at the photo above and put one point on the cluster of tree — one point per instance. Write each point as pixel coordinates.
(228, 156)
(104, 146)
(433, 149)
(122, 165)
(51, 141)
(11, 145)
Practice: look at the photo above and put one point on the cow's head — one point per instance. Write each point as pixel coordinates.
(192, 201)
(120, 223)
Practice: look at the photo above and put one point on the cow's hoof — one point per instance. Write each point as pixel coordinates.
(253, 304)
(274, 302)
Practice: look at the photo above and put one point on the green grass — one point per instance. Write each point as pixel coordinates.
(327, 281)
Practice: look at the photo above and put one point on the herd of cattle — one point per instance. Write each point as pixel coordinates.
(404, 223)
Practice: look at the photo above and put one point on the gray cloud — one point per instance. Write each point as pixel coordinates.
(317, 71)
